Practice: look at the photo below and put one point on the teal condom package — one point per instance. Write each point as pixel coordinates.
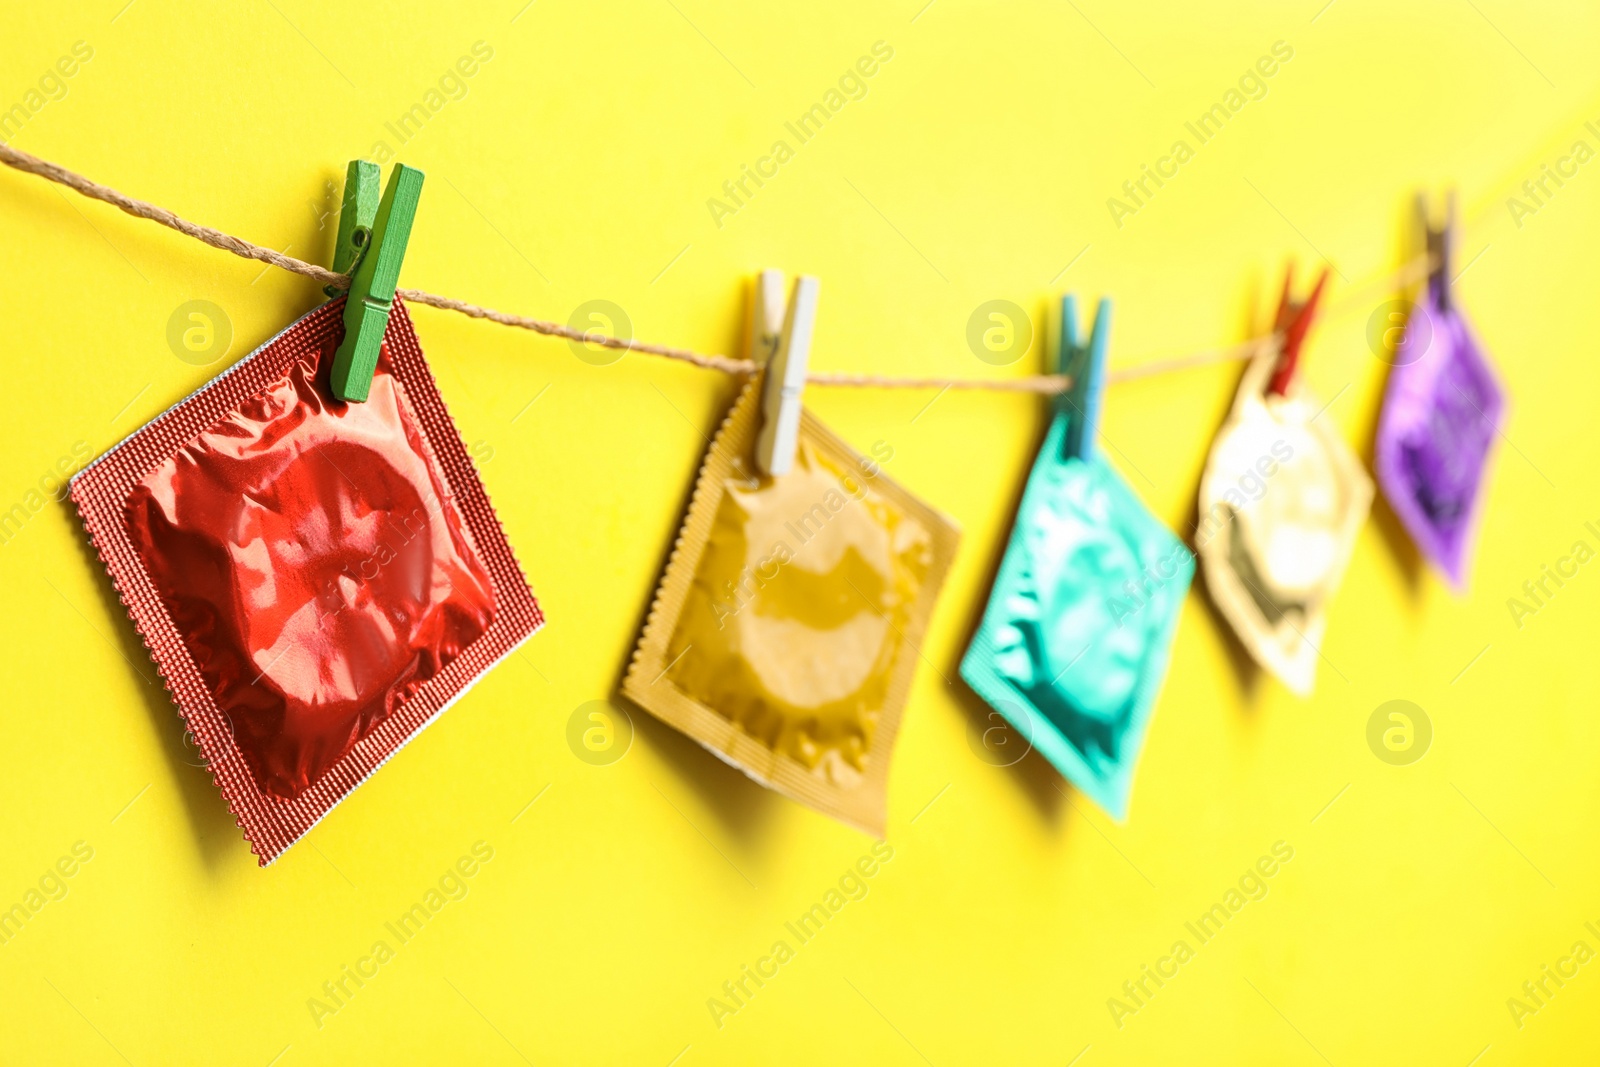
(1075, 638)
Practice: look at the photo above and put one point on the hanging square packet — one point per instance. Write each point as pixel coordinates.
(1441, 414)
(316, 580)
(1075, 639)
(787, 626)
(1281, 503)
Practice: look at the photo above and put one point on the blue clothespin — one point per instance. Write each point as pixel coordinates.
(366, 309)
(1087, 366)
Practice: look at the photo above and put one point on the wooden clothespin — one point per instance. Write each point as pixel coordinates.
(786, 369)
(1293, 320)
(366, 309)
(1441, 245)
(356, 215)
(766, 317)
(1087, 366)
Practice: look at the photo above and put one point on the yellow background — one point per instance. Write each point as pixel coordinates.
(977, 167)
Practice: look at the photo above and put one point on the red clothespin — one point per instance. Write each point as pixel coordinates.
(1292, 323)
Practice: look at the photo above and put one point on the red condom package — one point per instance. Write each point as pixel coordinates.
(316, 580)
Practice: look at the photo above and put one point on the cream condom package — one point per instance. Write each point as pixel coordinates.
(1075, 639)
(786, 629)
(1281, 502)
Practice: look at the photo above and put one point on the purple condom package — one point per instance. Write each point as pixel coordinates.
(1441, 415)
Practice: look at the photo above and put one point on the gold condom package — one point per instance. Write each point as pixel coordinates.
(1281, 502)
(786, 630)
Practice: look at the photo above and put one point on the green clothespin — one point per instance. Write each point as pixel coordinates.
(1087, 365)
(366, 311)
(356, 216)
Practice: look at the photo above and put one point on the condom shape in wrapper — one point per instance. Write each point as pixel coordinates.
(1441, 414)
(1074, 642)
(785, 633)
(1075, 639)
(1281, 503)
(315, 580)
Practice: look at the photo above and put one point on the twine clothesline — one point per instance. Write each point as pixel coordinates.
(1408, 273)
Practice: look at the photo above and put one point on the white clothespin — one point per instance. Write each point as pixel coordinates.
(786, 368)
(766, 316)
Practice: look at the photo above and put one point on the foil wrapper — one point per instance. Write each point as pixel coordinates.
(315, 580)
(1442, 412)
(1075, 639)
(786, 630)
(1282, 501)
